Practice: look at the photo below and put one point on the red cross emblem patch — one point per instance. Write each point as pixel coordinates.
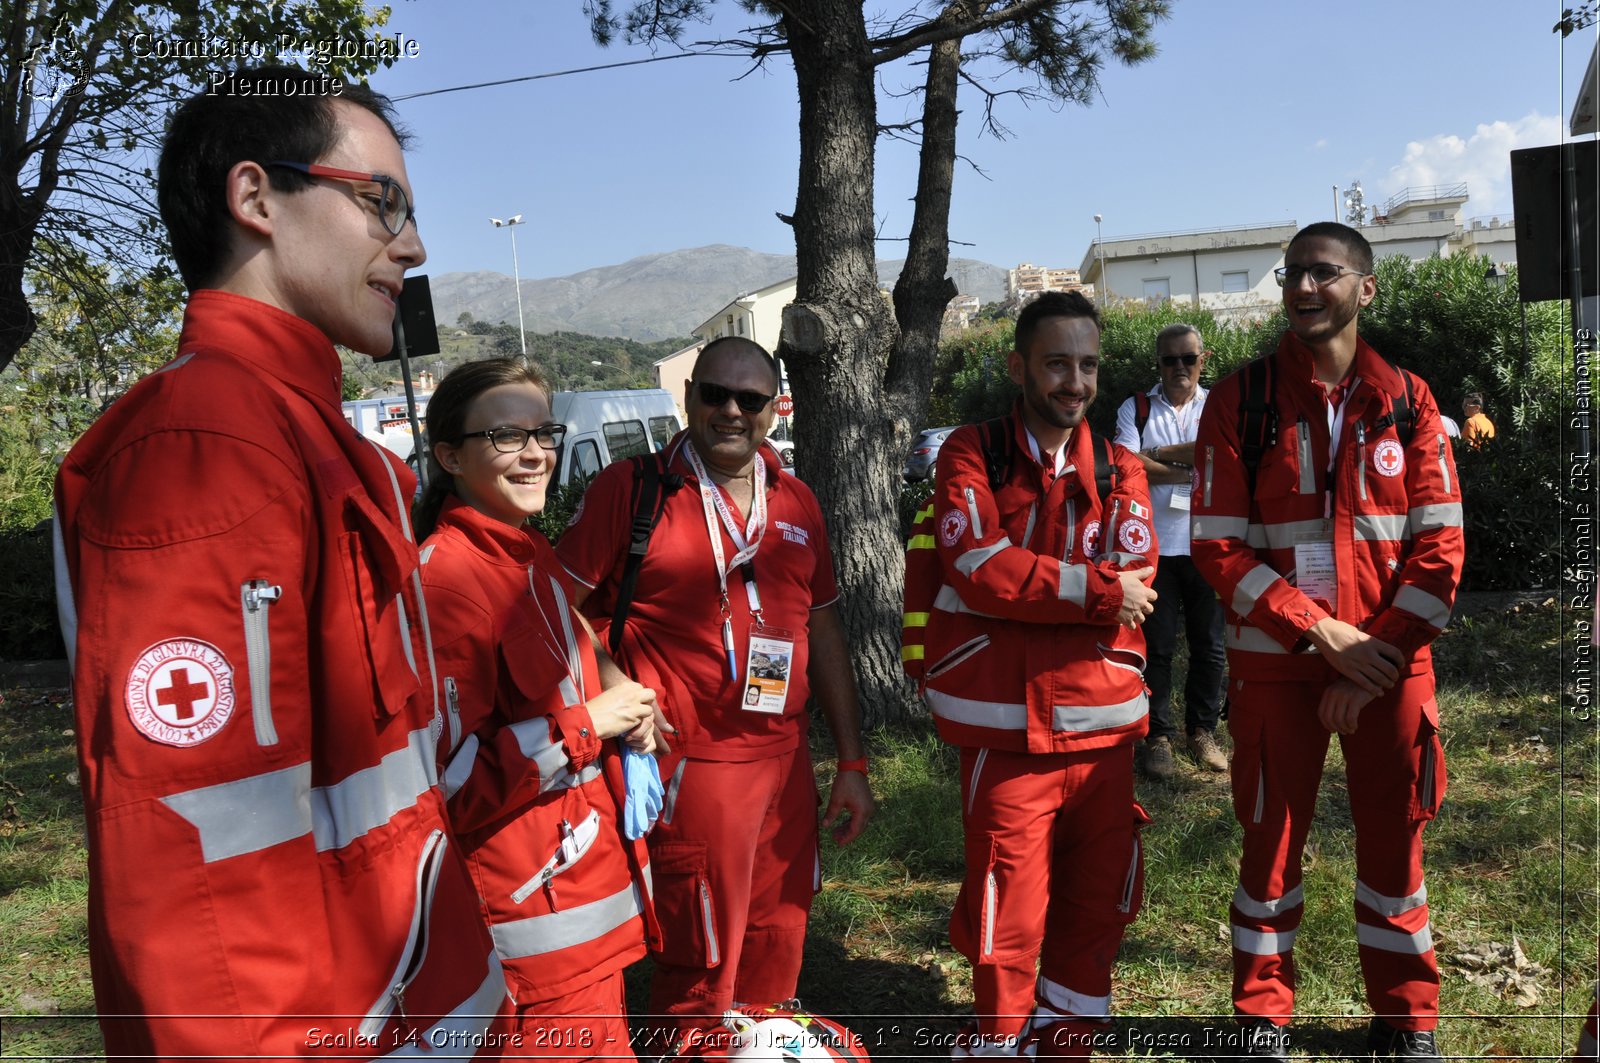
(1134, 535)
(180, 692)
(1091, 539)
(1389, 459)
(951, 527)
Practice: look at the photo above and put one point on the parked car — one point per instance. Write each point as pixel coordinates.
(925, 452)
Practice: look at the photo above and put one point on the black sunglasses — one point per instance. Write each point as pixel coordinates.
(716, 396)
(1170, 360)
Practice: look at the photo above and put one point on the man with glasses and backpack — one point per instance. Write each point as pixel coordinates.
(1160, 426)
(708, 574)
(1328, 517)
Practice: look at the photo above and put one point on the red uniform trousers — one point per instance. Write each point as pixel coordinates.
(1055, 873)
(1395, 768)
(589, 1023)
(734, 861)
(1588, 1045)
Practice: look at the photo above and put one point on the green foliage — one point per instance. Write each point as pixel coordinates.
(559, 506)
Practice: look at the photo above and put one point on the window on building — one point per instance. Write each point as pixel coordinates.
(741, 326)
(1157, 289)
(1436, 215)
(662, 429)
(625, 439)
(1236, 281)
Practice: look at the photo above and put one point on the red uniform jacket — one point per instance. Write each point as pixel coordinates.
(534, 795)
(1023, 646)
(1393, 513)
(254, 695)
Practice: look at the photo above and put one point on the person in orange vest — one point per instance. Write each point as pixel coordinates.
(1476, 428)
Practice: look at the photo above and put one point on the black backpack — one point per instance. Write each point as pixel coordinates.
(652, 486)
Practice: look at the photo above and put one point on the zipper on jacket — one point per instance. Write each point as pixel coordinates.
(957, 655)
(1444, 464)
(1033, 515)
(991, 898)
(575, 841)
(977, 770)
(1308, 468)
(452, 700)
(1132, 878)
(1210, 464)
(972, 511)
(415, 953)
(1361, 459)
(1071, 509)
(713, 953)
(256, 597)
(1426, 782)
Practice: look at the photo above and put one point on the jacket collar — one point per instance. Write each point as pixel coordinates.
(1369, 365)
(1079, 450)
(273, 342)
(498, 542)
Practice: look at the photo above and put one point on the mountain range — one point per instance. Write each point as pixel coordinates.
(652, 297)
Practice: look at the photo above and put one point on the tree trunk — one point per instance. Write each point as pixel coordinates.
(837, 337)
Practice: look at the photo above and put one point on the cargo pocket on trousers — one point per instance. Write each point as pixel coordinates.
(1429, 792)
(684, 905)
(972, 920)
(1249, 771)
(1133, 881)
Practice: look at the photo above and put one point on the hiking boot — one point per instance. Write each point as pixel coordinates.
(1203, 744)
(1158, 758)
(1385, 1042)
(1264, 1039)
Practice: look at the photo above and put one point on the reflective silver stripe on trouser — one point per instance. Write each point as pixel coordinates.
(968, 562)
(1074, 584)
(1435, 515)
(1423, 605)
(1382, 528)
(1249, 590)
(66, 607)
(1389, 907)
(1386, 940)
(541, 934)
(1061, 1003)
(1263, 942)
(467, 1025)
(1254, 909)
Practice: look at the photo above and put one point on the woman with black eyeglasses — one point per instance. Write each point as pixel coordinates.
(537, 789)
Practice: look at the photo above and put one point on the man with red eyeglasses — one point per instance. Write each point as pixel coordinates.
(271, 871)
(735, 594)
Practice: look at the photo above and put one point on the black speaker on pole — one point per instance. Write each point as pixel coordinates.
(1541, 195)
(415, 312)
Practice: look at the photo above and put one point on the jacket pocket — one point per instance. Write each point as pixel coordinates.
(1132, 898)
(377, 563)
(1249, 772)
(962, 653)
(256, 598)
(1428, 794)
(415, 953)
(576, 840)
(684, 905)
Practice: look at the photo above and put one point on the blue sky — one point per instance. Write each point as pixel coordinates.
(1252, 112)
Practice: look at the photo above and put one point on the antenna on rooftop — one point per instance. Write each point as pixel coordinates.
(1355, 207)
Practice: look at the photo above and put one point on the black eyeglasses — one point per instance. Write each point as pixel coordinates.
(391, 204)
(508, 439)
(715, 395)
(1171, 360)
(1322, 274)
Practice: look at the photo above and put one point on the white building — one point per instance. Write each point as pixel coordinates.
(757, 314)
(1228, 271)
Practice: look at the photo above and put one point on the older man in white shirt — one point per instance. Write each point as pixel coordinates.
(1160, 425)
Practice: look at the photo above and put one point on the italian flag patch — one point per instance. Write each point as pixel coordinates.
(1137, 510)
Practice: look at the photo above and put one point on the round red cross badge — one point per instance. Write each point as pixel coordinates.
(1134, 535)
(1091, 539)
(951, 525)
(1389, 459)
(180, 692)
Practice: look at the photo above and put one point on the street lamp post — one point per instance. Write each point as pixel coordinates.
(608, 365)
(1100, 251)
(516, 273)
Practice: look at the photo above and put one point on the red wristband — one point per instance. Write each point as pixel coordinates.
(859, 764)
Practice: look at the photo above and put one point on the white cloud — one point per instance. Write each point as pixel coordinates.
(1322, 142)
(1482, 160)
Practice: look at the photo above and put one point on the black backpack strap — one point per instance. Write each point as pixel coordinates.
(1402, 409)
(652, 486)
(1258, 417)
(1141, 413)
(1106, 475)
(995, 436)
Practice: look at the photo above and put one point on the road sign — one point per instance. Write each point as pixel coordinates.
(783, 406)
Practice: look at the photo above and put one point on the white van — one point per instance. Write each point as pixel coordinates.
(384, 420)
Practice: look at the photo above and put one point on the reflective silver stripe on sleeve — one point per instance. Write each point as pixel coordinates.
(426, 553)
(1080, 1005)
(1435, 515)
(1308, 470)
(1007, 716)
(1381, 528)
(1263, 942)
(1251, 908)
(467, 1024)
(1282, 536)
(541, 934)
(1389, 907)
(968, 562)
(247, 815)
(1249, 590)
(1080, 718)
(1074, 584)
(1211, 526)
(533, 739)
(66, 606)
(1033, 515)
(459, 770)
(949, 599)
(1426, 607)
(1383, 939)
(369, 798)
(1252, 640)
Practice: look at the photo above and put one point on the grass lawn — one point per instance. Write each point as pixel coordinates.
(1511, 871)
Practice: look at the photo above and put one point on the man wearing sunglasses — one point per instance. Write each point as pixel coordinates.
(271, 870)
(1164, 440)
(1328, 518)
(735, 594)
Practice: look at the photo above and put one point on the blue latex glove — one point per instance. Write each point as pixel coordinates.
(645, 792)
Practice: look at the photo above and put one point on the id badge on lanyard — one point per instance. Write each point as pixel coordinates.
(766, 670)
(1315, 575)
